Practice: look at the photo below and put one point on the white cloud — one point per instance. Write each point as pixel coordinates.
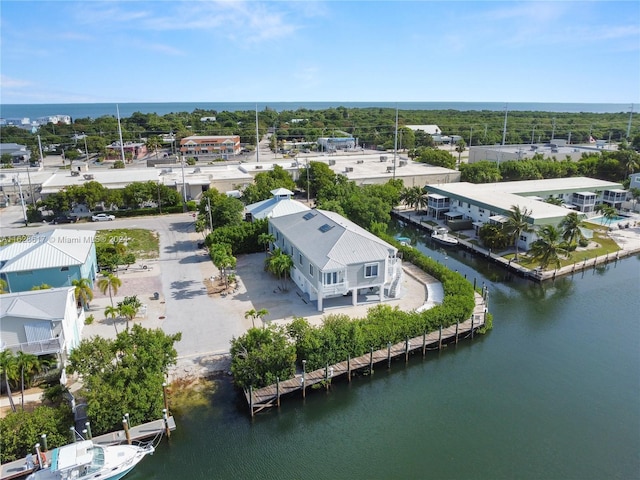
(13, 83)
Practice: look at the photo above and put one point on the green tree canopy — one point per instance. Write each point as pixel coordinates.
(126, 373)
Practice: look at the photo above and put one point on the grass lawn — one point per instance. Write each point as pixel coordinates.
(605, 246)
(144, 244)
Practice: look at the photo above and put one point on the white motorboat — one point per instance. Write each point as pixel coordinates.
(441, 235)
(85, 459)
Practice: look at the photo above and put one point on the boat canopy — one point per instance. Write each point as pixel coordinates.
(72, 455)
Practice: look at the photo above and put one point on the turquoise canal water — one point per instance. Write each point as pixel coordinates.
(553, 392)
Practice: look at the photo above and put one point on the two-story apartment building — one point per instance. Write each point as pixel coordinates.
(200, 145)
(333, 256)
(492, 202)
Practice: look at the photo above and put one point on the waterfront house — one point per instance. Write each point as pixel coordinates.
(492, 202)
(41, 322)
(55, 258)
(333, 257)
(280, 204)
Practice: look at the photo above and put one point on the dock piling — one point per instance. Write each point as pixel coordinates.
(371, 361)
(349, 368)
(125, 425)
(388, 354)
(457, 325)
(440, 338)
(43, 437)
(165, 417)
(251, 399)
(424, 343)
(88, 428)
(278, 391)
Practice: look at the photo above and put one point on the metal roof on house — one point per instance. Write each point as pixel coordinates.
(501, 196)
(37, 304)
(330, 241)
(275, 207)
(54, 249)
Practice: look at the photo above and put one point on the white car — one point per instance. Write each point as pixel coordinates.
(102, 217)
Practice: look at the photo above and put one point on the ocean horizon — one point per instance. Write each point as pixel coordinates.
(95, 110)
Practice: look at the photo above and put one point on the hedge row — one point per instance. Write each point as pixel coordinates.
(340, 336)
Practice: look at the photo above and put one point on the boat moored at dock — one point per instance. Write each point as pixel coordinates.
(86, 459)
(441, 235)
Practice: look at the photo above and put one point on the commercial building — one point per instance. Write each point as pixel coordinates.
(208, 145)
(559, 149)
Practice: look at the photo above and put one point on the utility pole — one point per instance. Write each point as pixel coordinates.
(395, 147)
(209, 211)
(120, 134)
(16, 181)
(41, 155)
(257, 137)
(629, 124)
(504, 130)
(86, 150)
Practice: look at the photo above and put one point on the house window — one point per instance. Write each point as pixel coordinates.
(481, 210)
(64, 269)
(330, 278)
(371, 270)
(300, 258)
(523, 238)
(311, 270)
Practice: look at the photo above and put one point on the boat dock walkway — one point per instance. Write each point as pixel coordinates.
(18, 468)
(533, 274)
(266, 397)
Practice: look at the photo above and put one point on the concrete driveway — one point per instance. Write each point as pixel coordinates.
(207, 322)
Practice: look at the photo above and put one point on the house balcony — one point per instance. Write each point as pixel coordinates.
(41, 347)
(334, 289)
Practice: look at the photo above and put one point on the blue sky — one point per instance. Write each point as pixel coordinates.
(236, 51)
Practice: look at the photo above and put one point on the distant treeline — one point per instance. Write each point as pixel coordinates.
(372, 126)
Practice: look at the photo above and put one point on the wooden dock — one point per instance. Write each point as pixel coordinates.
(267, 397)
(17, 469)
(537, 275)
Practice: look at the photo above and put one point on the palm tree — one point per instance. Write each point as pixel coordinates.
(42, 286)
(608, 212)
(128, 311)
(256, 314)
(222, 258)
(266, 239)
(26, 363)
(83, 291)
(570, 226)
(112, 312)
(549, 247)
(111, 283)
(517, 224)
(3, 286)
(9, 367)
(279, 263)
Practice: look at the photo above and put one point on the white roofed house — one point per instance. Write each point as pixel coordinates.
(334, 257)
(280, 204)
(55, 258)
(41, 322)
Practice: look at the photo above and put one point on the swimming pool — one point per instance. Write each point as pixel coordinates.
(607, 221)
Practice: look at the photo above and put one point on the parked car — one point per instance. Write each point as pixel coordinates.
(64, 219)
(102, 217)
